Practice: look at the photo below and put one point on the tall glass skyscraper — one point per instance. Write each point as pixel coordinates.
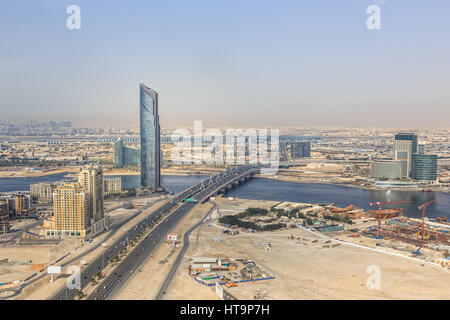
(408, 136)
(405, 146)
(424, 167)
(150, 138)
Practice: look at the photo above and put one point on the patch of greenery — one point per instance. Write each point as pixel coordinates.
(236, 221)
(339, 218)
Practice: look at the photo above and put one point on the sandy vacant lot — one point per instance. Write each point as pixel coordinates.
(306, 270)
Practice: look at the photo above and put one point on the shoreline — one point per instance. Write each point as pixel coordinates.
(21, 175)
(348, 185)
(33, 174)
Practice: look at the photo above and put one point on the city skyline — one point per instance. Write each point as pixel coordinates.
(297, 64)
(237, 151)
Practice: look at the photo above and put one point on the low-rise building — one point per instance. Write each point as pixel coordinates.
(43, 192)
(112, 186)
(386, 169)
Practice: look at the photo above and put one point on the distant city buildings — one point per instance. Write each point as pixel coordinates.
(293, 150)
(150, 139)
(410, 161)
(34, 127)
(126, 156)
(18, 204)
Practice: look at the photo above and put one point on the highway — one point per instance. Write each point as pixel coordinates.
(141, 252)
(177, 262)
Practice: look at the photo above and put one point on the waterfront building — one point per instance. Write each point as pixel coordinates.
(403, 150)
(70, 211)
(43, 192)
(126, 156)
(397, 184)
(91, 180)
(150, 139)
(405, 146)
(112, 186)
(424, 167)
(386, 169)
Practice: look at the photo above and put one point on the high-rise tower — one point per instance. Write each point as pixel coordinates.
(70, 209)
(150, 138)
(91, 179)
(405, 146)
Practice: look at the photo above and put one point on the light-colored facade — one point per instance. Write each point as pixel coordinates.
(150, 139)
(403, 150)
(91, 180)
(70, 210)
(386, 169)
(112, 186)
(43, 191)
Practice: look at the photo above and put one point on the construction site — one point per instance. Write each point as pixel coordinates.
(226, 271)
(429, 238)
(310, 256)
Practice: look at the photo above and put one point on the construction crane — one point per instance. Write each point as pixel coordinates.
(423, 207)
(380, 204)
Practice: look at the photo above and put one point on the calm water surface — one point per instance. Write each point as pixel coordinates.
(267, 189)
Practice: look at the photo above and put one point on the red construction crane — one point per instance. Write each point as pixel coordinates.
(423, 207)
(380, 204)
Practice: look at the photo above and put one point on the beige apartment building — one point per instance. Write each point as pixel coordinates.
(70, 211)
(78, 207)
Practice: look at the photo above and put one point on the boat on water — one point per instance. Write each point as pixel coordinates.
(441, 219)
(337, 210)
(386, 213)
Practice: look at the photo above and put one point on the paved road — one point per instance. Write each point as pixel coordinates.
(141, 252)
(177, 262)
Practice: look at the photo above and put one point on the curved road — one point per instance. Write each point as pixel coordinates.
(177, 262)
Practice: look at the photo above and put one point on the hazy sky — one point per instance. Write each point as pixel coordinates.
(233, 62)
